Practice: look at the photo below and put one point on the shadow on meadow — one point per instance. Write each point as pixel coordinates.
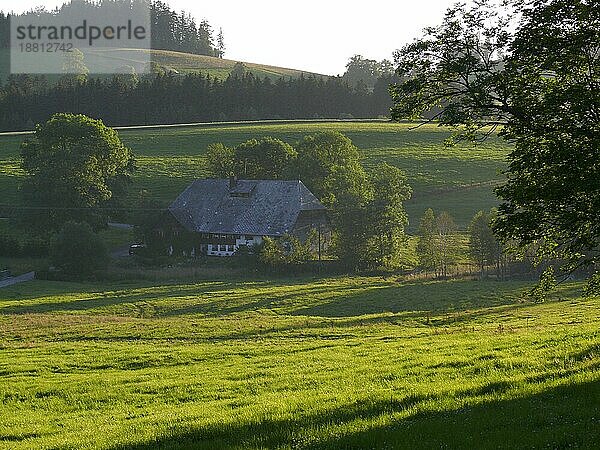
(329, 299)
(88, 297)
(421, 297)
(282, 298)
(560, 417)
(210, 298)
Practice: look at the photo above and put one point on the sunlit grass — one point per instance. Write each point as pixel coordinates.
(181, 62)
(297, 363)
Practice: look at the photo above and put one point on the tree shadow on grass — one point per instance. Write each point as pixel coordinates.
(211, 299)
(561, 417)
(355, 300)
(91, 297)
(333, 305)
(17, 437)
(328, 299)
(286, 301)
(437, 296)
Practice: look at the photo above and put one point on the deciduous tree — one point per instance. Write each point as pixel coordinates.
(445, 234)
(76, 169)
(386, 215)
(321, 155)
(484, 248)
(220, 160)
(267, 158)
(426, 248)
(542, 84)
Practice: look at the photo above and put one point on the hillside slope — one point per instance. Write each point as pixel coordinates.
(185, 63)
(174, 61)
(459, 180)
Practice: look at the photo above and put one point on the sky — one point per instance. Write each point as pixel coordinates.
(313, 35)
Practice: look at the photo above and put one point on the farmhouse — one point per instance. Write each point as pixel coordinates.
(218, 217)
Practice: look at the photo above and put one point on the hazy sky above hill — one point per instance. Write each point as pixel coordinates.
(314, 35)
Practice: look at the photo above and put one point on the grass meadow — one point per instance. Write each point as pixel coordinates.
(222, 359)
(297, 364)
(182, 63)
(458, 179)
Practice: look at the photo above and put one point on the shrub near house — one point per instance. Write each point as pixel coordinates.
(78, 251)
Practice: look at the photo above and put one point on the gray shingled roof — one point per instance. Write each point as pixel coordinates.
(252, 207)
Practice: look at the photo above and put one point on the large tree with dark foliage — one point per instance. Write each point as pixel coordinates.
(321, 157)
(541, 83)
(76, 169)
(366, 208)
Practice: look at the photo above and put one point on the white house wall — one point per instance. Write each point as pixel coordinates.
(215, 250)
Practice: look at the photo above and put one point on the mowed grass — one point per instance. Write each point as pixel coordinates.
(298, 363)
(219, 67)
(458, 179)
(183, 63)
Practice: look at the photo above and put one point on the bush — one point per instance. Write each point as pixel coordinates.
(31, 247)
(283, 253)
(9, 246)
(78, 251)
(34, 247)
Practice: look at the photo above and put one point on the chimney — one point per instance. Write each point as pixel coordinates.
(232, 182)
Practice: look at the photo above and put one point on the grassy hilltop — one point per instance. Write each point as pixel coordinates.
(182, 63)
(217, 67)
(298, 363)
(459, 180)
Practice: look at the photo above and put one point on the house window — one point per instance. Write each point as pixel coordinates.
(230, 248)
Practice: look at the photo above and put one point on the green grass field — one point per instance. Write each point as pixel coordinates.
(297, 363)
(443, 178)
(220, 68)
(183, 63)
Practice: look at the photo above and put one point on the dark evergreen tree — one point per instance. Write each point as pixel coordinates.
(220, 44)
(166, 97)
(170, 30)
